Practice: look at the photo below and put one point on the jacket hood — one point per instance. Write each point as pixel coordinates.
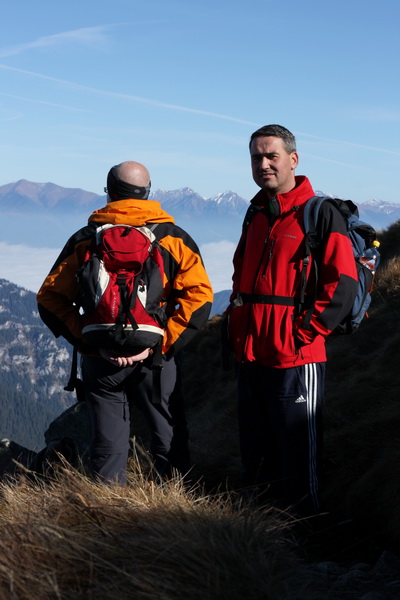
(131, 212)
(297, 196)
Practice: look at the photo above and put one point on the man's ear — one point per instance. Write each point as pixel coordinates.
(295, 160)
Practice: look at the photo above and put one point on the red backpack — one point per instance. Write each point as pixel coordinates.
(121, 287)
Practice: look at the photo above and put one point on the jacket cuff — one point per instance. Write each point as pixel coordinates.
(304, 336)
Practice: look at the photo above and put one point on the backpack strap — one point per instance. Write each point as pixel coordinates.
(152, 227)
(252, 210)
(70, 387)
(156, 358)
(74, 383)
(310, 220)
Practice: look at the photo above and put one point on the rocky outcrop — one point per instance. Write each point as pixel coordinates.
(12, 457)
(66, 436)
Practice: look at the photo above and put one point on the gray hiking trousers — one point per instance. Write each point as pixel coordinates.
(109, 392)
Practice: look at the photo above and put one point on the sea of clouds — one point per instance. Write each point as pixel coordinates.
(27, 266)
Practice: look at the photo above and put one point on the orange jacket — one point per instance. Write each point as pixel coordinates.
(187, 289)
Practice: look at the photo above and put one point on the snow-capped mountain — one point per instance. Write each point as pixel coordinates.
(187, 195)
(228, 203)
(45, 214)
(206, 219)
(189, 203)
(183, 202)
(380, 214)
(38, 214)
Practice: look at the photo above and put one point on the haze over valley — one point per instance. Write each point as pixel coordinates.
(38, 218)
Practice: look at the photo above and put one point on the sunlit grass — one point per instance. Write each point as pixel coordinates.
(73, 538)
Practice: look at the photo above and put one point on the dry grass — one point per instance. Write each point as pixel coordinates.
(390, 242)
(73, 539)
(387, 281)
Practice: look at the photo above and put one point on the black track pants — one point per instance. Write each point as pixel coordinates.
(280, 429)
(109, 390)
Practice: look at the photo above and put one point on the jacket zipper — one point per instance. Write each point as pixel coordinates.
(266, 240)
(270, 250)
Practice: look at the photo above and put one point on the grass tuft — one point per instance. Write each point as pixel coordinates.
(73, 538)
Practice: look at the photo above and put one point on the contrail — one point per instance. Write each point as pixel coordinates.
(141, 99)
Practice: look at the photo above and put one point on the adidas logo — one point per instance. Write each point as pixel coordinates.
(300, 399)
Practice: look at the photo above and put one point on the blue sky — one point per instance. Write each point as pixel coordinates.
(180, 86)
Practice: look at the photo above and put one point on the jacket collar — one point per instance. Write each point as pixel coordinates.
(297, 196)
(131, 212)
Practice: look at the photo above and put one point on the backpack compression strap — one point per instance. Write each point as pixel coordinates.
(124, 311)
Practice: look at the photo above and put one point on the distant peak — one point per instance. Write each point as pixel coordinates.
(375, 202)
(226, 197)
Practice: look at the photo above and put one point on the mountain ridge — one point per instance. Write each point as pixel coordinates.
(57, 212)
(45, 195)
(50, 195)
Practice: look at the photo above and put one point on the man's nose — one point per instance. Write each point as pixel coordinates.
(264, 163)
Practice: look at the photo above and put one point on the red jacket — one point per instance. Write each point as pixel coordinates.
(268, 261)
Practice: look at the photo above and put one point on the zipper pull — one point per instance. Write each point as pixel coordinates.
(271, 248)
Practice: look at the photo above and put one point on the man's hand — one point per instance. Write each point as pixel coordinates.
(124, 360)
(303, 336)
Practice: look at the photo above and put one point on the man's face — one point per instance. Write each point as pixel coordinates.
(272, 167)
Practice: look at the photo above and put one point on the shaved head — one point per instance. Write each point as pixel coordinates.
(132, 172)
(127, 180)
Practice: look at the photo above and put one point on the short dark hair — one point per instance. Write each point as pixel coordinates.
(276, 131)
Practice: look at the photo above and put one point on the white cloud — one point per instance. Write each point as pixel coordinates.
(26, 266)
(217, 257)
(89, 36)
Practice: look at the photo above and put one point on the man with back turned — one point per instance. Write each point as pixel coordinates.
(114, 379)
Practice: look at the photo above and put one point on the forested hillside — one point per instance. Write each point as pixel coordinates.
(34, 368)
